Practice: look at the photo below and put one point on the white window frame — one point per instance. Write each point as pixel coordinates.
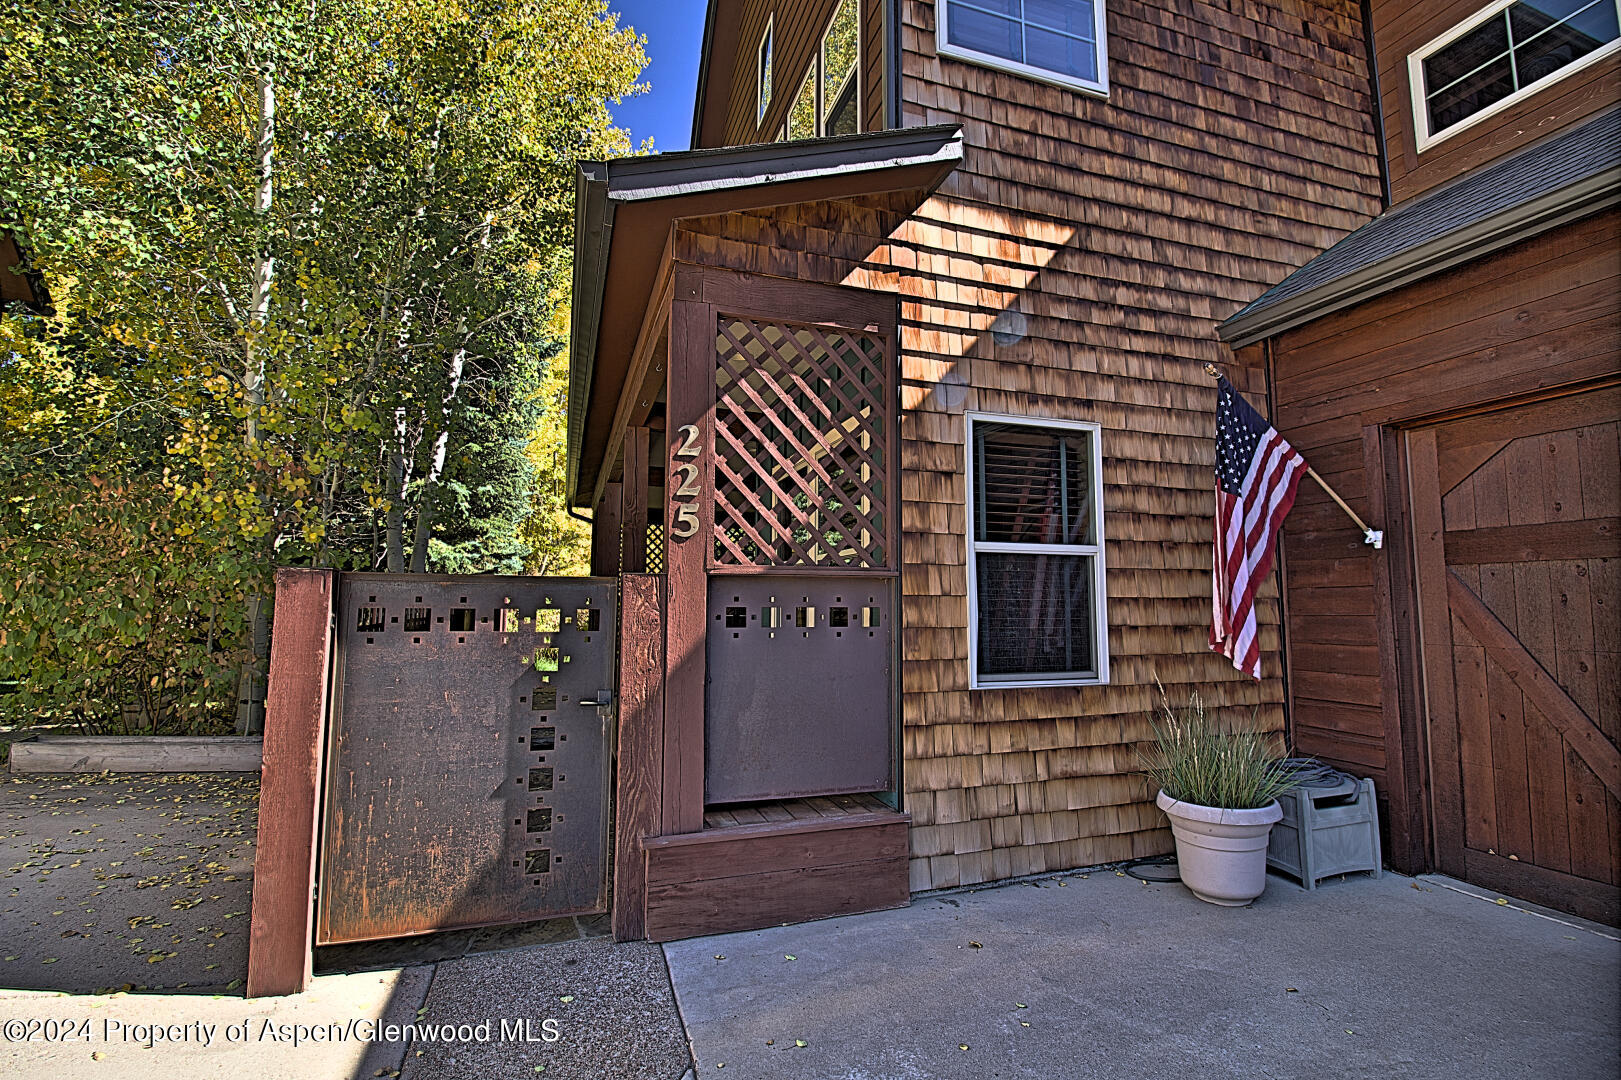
(1100, 88)
(767, 40)
(1417, 91)
(1100, 598)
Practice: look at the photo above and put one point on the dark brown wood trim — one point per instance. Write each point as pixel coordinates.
(777, 299)
(1536, 684)
(752, 901)
(733, 833)
(605, 534)
(640, 759)
(690, 396)
(280, 944)
(1580, 896)
(1435, 654)
(1404, 786)
(633, 502)
(1594, 538)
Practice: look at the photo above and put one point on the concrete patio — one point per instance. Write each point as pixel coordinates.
(1102, 975)
(1073, 976)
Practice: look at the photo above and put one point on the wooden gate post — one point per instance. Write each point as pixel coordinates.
(640, 773)
(280, 947)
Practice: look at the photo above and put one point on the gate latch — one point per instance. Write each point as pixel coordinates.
(603, 701)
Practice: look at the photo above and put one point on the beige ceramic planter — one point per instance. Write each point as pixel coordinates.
(1221, 854)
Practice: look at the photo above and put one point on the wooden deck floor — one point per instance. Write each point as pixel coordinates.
(831, 806)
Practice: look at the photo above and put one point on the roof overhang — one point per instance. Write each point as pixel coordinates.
(1559, 180)
(624, 212)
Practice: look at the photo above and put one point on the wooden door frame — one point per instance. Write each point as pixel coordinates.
(1401, 670)
(699, 295)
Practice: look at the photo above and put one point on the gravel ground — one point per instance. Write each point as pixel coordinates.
(614, 1013)
(126, 882)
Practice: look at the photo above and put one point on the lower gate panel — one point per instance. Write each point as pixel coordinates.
(468, 762)
(800, 696)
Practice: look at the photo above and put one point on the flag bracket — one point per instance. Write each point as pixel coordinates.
(1375, 537)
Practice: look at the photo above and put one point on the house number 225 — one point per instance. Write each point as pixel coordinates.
(686, 515)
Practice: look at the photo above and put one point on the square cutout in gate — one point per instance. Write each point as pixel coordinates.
(370, 620)
(540, 819)
(537, 861)
(418, 619)
(546, 659)
(588, 619)
(545, 699)
(542, 738)
(805, 616)
(461, 620)
(506, 620)
(548, 620)
(540, 779)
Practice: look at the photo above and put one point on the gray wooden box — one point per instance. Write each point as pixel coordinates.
(1326, 831)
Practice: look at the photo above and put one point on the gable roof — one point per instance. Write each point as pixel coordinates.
(1568, 176)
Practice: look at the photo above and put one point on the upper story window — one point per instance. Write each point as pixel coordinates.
(763, 73)
(1056, 41)
(1502, 54)
(828, 101)
(1037, 612)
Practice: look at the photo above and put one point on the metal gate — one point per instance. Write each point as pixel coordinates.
(468, 758)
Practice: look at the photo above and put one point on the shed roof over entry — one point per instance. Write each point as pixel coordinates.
(624, 210)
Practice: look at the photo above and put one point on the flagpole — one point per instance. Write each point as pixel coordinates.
(1375, 537)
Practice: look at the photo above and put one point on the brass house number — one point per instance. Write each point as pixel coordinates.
(686, 515)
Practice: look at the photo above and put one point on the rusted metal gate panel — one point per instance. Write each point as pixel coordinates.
(468, 760)
(801, 588)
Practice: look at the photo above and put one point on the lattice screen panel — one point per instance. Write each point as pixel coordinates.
(801, 446)
(655, 548)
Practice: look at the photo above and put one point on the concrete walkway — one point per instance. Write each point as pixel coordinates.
(1081, 976)
(1105, 976)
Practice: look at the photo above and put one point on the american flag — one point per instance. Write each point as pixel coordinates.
(1257, 473)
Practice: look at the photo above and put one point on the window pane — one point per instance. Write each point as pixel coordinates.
(1073, 17)
(842, 120)
(1035, 614)
(840, 50)
(984, 32)
(765, 74)
(1032, 485)
(1468, 75)
(1061, 53)
(802, 117)
(1544, 42)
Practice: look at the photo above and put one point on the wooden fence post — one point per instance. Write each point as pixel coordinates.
(280, 948)
(640, 773)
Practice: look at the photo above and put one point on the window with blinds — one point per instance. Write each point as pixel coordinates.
(1035, 553)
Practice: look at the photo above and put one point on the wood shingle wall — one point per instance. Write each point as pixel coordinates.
(1075, 267)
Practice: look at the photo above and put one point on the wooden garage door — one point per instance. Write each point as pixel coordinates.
(1519, 575)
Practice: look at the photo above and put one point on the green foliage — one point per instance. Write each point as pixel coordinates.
(1195, 759)
(305, 259)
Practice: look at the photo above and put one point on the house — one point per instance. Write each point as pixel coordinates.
(889, 397)
(1452, 368)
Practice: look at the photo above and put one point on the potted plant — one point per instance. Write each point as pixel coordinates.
(1219, 787)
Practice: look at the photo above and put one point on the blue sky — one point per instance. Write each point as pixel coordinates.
(674, 30)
